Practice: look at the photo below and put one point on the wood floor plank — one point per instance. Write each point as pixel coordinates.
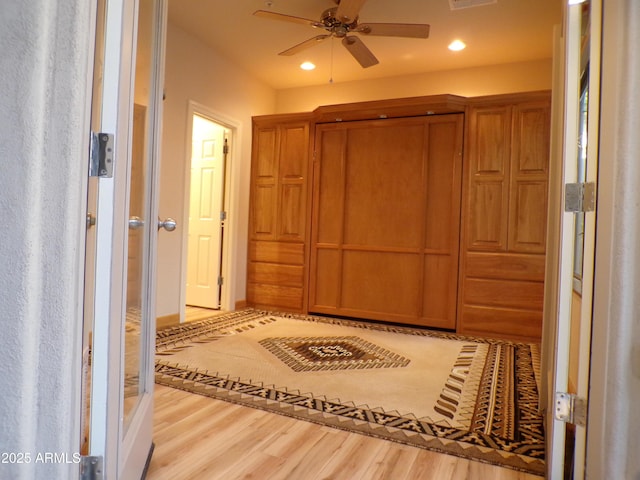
(197, 437)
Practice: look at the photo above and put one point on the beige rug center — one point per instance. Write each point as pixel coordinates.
(357, 366)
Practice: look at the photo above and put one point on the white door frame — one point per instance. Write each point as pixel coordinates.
(231, 171)
(563, 325)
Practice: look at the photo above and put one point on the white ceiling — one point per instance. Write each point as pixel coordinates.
(504, 32)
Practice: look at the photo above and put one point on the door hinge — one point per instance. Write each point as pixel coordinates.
(570, 408)
(223, 216)
(220, 281)
(101, 155)
(225, 147)
(91, 468)
(580, 197)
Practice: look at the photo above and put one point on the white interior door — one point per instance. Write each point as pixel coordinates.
(123, 330)
(573, 334)
(206, 204)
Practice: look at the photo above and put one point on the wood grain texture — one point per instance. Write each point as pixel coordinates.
(198, 437)
(386, 220)
(505, 212)
(278, 212)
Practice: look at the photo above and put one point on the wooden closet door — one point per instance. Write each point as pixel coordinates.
(503, 254)
(385, 232)
(278, 213)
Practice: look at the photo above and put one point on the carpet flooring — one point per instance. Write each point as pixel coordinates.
(464, 396)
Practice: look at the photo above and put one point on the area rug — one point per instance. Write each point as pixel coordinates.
(464, 396)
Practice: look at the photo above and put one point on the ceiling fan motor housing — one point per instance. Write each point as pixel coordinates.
(335, 25)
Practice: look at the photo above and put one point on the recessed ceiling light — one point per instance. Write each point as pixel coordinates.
(307, 66)
(576, 2)
(457, 45)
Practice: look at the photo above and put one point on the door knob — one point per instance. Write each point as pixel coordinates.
(169, 224)
(135, 223)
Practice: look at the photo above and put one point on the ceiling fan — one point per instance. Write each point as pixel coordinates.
(341, 21)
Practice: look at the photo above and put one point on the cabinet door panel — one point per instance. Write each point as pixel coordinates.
(491, 140)
(292, 211)
(487, 213)
(503, 262)
(531, 139)
(384, 186)
(266, 164)
(294, 144)
(528, 223)
(264, 211)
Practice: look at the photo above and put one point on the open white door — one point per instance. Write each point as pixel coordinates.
(206, 216)
(128, 96)
(567, 423)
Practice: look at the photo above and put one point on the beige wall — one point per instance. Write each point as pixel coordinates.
(195, 73)
(472, 82)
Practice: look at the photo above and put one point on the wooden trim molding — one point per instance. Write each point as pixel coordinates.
(167, 321)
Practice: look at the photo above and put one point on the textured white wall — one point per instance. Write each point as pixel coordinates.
(614, 423)
(43, 133)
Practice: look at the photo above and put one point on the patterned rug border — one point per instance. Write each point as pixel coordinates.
(526, 456)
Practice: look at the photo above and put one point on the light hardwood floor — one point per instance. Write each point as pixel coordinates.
(193, 314)
(202, 438)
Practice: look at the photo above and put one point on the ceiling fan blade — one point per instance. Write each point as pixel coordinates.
(410, 30)
(287, 18)
(348, 10)
(304, 45)
(360, 52)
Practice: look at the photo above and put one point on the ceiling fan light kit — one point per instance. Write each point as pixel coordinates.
(341, 21)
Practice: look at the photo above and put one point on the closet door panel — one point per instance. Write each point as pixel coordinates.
(329, 188)
(384, 186)
(385, 244)
(381, 285)
(439, 298)
(442, 221)
(326, 284)
(442, 201)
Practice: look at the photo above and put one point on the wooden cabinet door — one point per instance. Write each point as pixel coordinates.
(278, 214)
(385, 225)
(503, 255)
